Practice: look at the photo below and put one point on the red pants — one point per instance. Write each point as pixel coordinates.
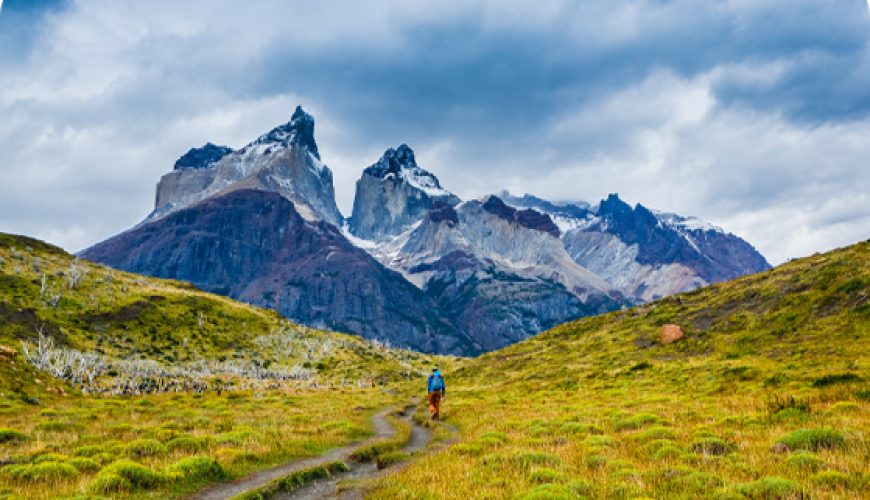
(435, 404)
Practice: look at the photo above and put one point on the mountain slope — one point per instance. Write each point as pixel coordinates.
(253, 245)
(115, 385)
(645, 254)
(469, 276)
(766, 395)
(114, 315)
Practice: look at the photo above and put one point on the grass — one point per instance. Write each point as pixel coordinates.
(600, 408)
(61, 441)
(375, 451)
(763, 397)
(292, 481)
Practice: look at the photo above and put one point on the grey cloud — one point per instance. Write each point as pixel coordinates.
(682, 105)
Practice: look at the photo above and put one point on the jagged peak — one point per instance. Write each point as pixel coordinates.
(400, 164)
(202, 157)
(299, 131)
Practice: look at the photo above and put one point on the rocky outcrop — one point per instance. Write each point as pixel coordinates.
(393, 194)
(204, 157)
(643, 253)
(284, 160)
(253, 245)
(501, 274)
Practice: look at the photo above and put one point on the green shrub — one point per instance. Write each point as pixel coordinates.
(712, 446)
(546, 475)
(134, 474)
(46, 472)
(391, 458)
(120, 429)
(836, 378)
(636, 421)
(657, 432)
(83, 464)
(831, 479)
(667, 453)
(599, 441)
(87, 451)
(144, 448)
(770, 488)
(198, 467)
(789, 415)
(778, 404)
(699, 482)
(346, 428)
(813, 439)
(549, 492)
(49, 457)
(467, 449)
(56, 426)
(291, 482)
(15, 471)
(492, 437)
(11, 436)
(805, 460)
(237, 437)
(595, 461)
(845, 407)
(530, 458)
(110, 483)
(188, 444)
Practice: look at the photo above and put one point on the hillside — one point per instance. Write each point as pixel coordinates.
(192, 387)
(765, 396)
(414, 265)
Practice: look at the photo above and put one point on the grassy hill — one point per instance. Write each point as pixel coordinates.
(152, 388)
(765, 396)
(191, 387)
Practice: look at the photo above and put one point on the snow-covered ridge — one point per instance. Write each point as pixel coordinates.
(688, 223)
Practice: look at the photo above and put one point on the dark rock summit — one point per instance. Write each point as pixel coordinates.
(203, 157)
(298, 131)
(529, 218)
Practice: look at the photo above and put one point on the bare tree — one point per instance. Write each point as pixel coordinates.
(75, 275)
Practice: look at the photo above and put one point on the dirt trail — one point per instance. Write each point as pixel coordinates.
(383, 430)
(326, 487)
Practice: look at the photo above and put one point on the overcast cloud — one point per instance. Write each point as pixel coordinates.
(752, 114)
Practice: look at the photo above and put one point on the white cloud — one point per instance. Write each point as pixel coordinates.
(111, 93)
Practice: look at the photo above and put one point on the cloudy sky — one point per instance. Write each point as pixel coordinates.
(752, 114)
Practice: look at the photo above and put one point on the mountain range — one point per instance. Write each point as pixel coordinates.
(414, 265)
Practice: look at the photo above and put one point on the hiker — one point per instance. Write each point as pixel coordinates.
(437, 391)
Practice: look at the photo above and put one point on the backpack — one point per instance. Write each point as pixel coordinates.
(437, 382)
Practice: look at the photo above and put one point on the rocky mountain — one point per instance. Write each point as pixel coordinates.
(394, 193)
(647, 254)
(255, 246)
(284, 160)
(501, 273)
(413, 265)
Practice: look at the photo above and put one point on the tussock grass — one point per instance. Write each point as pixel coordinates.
(291, 482)
(64, 443)
(373, 451)
(765, 360)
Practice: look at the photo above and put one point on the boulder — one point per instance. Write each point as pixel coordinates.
(670, 333)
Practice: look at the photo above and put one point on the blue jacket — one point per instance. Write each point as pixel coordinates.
(433, 380)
